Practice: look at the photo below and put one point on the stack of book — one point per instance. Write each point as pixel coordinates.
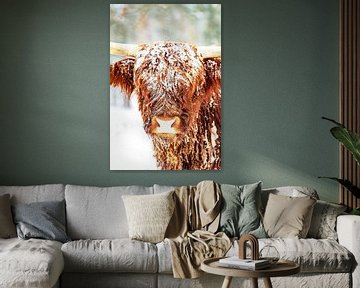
(248, 264)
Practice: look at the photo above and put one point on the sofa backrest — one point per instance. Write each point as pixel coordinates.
(293, 191)
(163, 188)
(98, 212)
(36, 193)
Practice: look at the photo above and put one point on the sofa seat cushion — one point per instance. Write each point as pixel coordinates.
(30, 263)
(110, 255)
(164, 257)
(313, 255)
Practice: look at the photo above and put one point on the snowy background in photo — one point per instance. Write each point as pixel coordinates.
(130, 146)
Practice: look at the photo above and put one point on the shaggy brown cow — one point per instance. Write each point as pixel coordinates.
(179, 96)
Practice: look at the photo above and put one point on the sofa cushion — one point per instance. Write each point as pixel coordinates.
(287, 216)
(163, 188)
(323, 222)
(291, 191)
(313, 255)
(116, 255)
(240, 212)
(7, 226)
(36, 193)
(30, 263)
(164, 257)
(149, 215)
(43, 220)
(98, 213)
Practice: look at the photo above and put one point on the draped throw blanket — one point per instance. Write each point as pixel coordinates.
(191, 231)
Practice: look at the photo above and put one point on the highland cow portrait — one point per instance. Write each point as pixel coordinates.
(177, 91)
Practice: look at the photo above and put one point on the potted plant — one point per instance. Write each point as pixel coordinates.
(351, 141)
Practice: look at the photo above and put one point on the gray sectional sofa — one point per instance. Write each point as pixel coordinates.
(100, 253)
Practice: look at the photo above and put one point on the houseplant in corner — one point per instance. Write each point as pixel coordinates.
(351, 141)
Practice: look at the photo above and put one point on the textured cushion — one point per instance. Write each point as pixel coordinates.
(313, 255)
(117, 255)
(7, 227)
(98, 213)
(323, 222)
(163, 188)
(44, 220)
(287, 216)
(149, 215)
(30, 263)
(164, 257)
(36, 193)
(240, 210)
(348, 229)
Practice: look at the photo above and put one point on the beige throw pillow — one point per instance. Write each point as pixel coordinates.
(149, 215)
(288, 217)
(7, 226)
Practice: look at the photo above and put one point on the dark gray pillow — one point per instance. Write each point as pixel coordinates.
(44, 220)
(240, 213)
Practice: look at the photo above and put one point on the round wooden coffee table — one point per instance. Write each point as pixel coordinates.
(281, 268)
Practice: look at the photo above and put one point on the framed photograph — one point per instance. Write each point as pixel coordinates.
(165, 86)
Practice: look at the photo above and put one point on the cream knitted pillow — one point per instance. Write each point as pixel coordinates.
(149, 215)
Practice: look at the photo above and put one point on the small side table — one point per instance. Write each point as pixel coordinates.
(281, 268)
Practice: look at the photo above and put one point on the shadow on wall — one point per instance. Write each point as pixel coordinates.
(274, 173)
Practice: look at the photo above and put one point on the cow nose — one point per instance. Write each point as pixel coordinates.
(166, 124)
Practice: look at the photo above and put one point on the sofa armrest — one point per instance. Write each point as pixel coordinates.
(348, 230)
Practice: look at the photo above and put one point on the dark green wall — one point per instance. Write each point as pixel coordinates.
(280, 75)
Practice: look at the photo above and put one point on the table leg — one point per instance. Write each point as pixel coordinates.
(254, 282)
(267, 283)
(227, 282)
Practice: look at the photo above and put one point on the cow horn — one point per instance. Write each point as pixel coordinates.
(122, 49)
(209, 51)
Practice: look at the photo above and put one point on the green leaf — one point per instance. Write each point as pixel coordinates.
(347, 184)
(348, 138)
(355, 211)
(333, 121)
